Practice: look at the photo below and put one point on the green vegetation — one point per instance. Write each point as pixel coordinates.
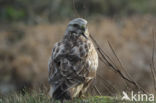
(42, 98)
(59, 9)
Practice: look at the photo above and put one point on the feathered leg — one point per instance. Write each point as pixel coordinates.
(84, 89)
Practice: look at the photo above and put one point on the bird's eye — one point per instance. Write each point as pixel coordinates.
(75, 25)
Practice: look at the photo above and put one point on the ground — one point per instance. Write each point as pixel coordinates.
(36, 97)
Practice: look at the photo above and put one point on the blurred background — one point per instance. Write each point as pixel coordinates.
(29, 29)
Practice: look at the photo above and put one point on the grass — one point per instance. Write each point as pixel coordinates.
(42, 98)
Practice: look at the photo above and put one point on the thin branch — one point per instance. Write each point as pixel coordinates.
(107, 87)
(153, 53)
(152, 66)
(74, 8)
(97, 90)
(122, 65)
(112, 66)
(153, 76)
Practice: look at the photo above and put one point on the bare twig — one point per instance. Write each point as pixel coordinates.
(152, 66)
(153, 53)
(109, 85)
(121, 66)
(106, 60)
(153, 76)
(97, 90)
(74, 8)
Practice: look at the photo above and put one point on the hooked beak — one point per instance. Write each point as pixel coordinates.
(83, 30)
(84, 35)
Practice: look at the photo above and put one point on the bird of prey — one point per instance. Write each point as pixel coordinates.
(73, 62)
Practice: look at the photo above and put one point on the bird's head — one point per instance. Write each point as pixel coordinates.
(77, 27)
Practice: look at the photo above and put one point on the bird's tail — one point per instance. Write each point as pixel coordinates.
(62, 93)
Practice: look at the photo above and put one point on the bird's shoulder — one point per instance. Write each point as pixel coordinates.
(78, 48)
